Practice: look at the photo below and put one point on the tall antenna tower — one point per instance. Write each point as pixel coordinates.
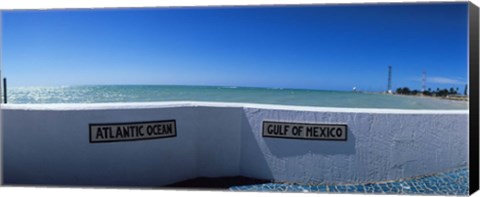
(389, 86)
(424, 80)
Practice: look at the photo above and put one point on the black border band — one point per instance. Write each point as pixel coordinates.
(473, 98)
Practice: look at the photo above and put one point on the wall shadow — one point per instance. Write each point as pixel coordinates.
(217, 183)
(252, 159)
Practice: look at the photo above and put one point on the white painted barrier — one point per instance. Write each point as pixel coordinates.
(49, 144)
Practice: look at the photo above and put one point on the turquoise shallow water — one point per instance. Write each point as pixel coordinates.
(151, 93)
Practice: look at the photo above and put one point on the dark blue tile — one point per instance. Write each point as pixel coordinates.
(451, 183)
(332, 188)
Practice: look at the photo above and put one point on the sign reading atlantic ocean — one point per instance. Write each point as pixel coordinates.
(114, 132)
(305, 131)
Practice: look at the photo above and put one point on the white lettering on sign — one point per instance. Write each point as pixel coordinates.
(114, 132)
(306, 131)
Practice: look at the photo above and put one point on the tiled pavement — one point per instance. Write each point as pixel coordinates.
(449, 183)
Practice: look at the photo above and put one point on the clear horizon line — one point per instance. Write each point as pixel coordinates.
(195, 85)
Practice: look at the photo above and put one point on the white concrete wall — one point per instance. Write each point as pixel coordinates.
(52, 147)
(49, 144)
(380, 146)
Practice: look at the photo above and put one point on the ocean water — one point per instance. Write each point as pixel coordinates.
(155, 93)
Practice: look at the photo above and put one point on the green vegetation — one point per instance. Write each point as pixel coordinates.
(437, 93)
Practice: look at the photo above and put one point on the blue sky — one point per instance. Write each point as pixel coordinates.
(313, 47)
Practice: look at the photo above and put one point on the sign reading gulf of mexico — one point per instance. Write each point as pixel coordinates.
(114, 132)
(306, 131)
